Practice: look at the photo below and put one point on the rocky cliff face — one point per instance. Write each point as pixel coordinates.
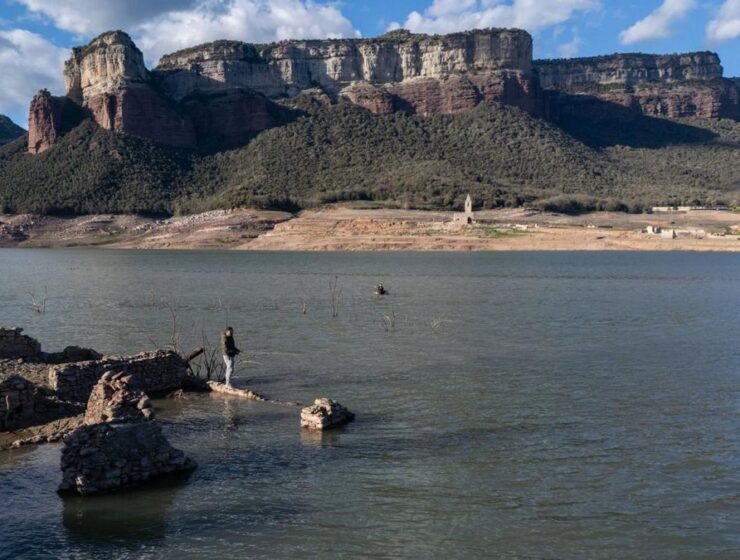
(9, 131)
(586, 74)
(680, 85)
(396, 72)
(222, 93)
(108, 78)
(284, 69)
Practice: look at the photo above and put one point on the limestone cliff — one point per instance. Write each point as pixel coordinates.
(9, 131)
(222, 93)
(678, 85)
(397, 71)
(286, 68)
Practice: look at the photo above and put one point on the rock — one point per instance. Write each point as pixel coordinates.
(325, 414)
(49, 118)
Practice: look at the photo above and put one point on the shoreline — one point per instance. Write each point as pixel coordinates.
(349, 229)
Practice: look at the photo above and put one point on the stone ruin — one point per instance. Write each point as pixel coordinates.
(155, 372)
(44, 394)
(116, 398)
(14, 344)
(325, 414)
(120, 444)
(17, 401)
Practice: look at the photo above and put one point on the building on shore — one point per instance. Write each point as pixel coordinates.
(468, 216)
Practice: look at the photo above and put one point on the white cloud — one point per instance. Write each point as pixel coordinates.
(445, 16)
(92, 17)
(162, 26)
(726, 24)
(28, 63)
(659, 23)
(571, 48)
(245, 20)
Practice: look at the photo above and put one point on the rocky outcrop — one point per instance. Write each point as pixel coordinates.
(108, 77)
(325, 414)
(108, 63)
(681, 85)
(9, 131)
(49, 119)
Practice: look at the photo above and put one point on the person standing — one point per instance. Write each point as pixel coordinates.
(229, 351)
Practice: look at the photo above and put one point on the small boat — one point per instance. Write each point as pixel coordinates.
(380, 290)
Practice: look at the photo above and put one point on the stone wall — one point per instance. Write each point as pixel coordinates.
(153, 372)
(105, 457)
(17, 402)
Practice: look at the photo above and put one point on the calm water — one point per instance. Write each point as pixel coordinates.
(523, 405)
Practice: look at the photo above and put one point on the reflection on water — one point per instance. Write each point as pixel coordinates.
(524, 405)
(311, 438)
(130, 517)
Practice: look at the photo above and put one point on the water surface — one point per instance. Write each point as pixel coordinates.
(509, 405)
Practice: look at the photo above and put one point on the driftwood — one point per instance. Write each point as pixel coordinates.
(194, 354)
(224, 389)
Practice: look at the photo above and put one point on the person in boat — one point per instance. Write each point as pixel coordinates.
(230, 352)
(380, 290)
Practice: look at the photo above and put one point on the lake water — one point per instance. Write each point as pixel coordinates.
(509, 405)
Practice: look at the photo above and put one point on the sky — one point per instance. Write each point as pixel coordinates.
(36, 35)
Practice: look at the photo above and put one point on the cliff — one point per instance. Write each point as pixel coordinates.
(9, 131)
(221, 94)
(678, 85)
(403, 69)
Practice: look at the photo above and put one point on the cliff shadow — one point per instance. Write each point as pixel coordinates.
(601, 124)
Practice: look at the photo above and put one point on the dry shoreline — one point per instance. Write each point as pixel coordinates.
(342, 228)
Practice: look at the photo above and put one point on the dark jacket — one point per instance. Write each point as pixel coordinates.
(228, 348)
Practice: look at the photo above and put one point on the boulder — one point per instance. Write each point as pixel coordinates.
(325, 414)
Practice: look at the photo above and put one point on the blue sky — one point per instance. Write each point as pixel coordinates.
(35, 35)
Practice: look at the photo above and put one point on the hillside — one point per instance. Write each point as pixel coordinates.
(500, 154)
(9, 130)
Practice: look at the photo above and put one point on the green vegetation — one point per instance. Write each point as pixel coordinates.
(498, 154)
(9, 130)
